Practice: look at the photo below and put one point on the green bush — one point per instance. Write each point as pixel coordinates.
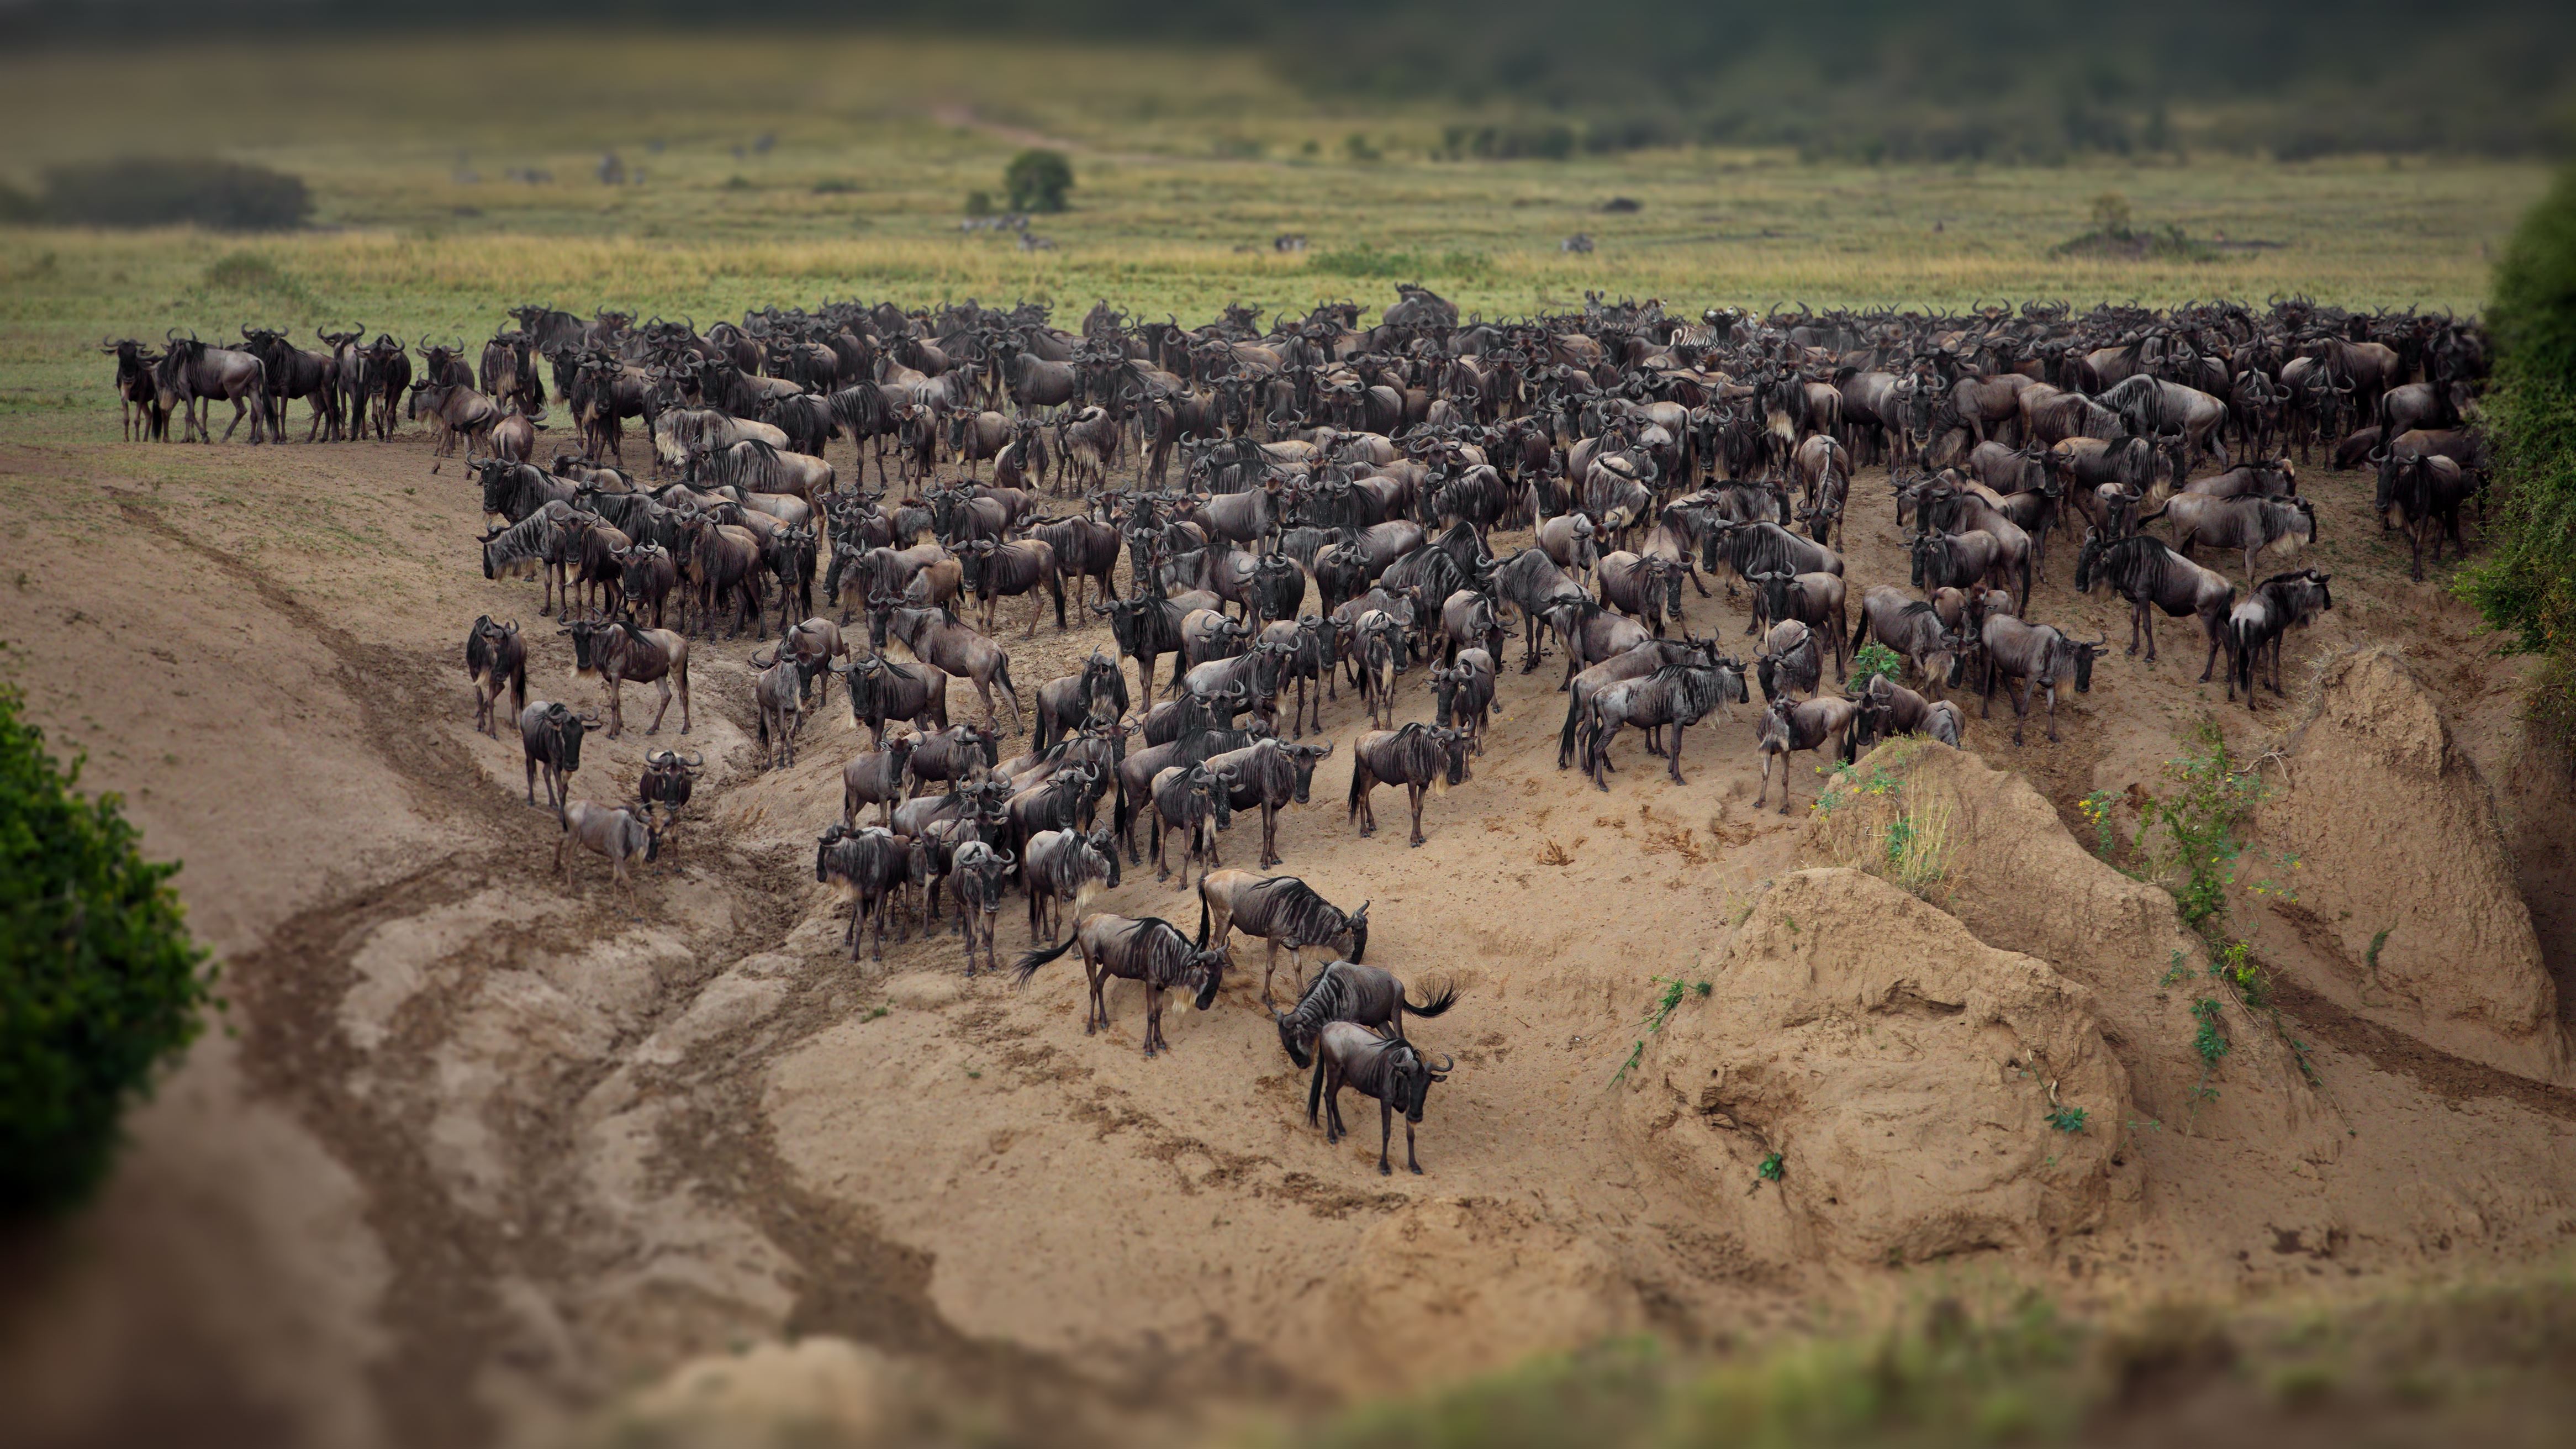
(100, 984)
(148, 191)
(1038, 180)
(2527, 582)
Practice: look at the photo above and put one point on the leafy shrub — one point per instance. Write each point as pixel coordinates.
(147, 191)
(100, 983)
(1875, 661)
(2527, 582)
(1038, 180)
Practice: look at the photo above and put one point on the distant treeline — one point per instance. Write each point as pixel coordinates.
(2002, 80)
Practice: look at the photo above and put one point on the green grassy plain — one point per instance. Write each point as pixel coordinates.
(1188, 164)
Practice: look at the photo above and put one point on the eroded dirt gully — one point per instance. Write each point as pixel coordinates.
(483, 1152)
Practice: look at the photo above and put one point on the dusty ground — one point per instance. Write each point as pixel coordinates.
(482, 1152)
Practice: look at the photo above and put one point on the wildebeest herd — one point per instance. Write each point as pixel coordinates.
(1332, 527)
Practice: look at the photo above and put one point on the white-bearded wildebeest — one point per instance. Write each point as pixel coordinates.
(1789, 661)
(2033, 656)
(1792, 726)
(1380, 645)
(1462, 694)
(454, 411)
(957, 755)
(550, 737)
(1637, 663)
(1643, 588)
(1764, 547)
(1888, 708)
(1387, 1068)
(2151, 576)
(868, 867)
(1368, 996)
(1283, 911)
(995, 571)
(1196, 801)
(724, 561)
(1312, 656)
(877, 777)
(616, 651)
(1815, 600)
(496, 659)
(1066, 703)
(294, 373)
(1531, 583)
(1911, 627)
(2423, 492)
(138, 392)
(1267, 775)
(610, 830)
(667, 782)
(1086, 552)
(778, 694)
(191, 376)
(1151, 950)
(881, 689)
(1424, 759)
(2279, 604)
(947, 645)
(2152, 406)
(1569, 542)
(978, 875)
(2252, 525)
(1675, 697)
(1066, 865)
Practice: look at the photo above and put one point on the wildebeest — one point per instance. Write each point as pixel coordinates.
(877, 777)
(495, 659)
(1387, 1068)
(2423, 491)
(1151, 950)
(1462, 694)
(778, 694)
(1267, 775)
(1066, 865)
(993, 571)
(550, 741)
(1643, 587)
(868, 867)
(2252, 525)
(1283, 911)
(191, 376)
(610, 830)
(1792, 726)
(1368, 996)
(667, 782)
(455, 411)
(2151, 576)
(978, 875)
(881, 689)
(1425, 759)
(1911, 627)
(1674, 697)
(2277, 605)
(1888, 708)
(1198, 802)
(1065, 704)
(1531, 582)
(2033, 656)
(1790, 662)
(957, 755)
(616, 651)
(943, 643)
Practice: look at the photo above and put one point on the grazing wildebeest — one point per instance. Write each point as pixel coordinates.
(1267, 775)
(1283, 911)
(2033, 656)
(943, 643)
(1198, 802)
(1368, 996)
(495, 659)
(1151, 950)
(881, 689)
(1425, 759)
(1066, 865)
(1387, 1068)
(2251, 525)
(1911, 627)
(1676, 696)
(610, 830)
(2277, 605)
(550, 741)
(1791, 726)
(2151, 576)
(616, 651)
(1888, 708)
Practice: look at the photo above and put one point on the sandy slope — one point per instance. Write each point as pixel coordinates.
(484, 1153)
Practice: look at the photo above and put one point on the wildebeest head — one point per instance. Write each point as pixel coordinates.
(1774, 585)
(564, 729)
(2095, 546)
(1410, 1076)
(2081, 655)
(1453, 744)
(1359, 932)
(1104, 843)
(1302, 759)
(586, 634)
(1206, 969)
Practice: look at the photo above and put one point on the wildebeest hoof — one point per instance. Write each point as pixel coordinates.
(1385, 1171)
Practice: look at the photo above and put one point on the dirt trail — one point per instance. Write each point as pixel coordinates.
(543, 1147)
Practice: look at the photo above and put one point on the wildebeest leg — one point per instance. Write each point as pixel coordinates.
(1269, 966)
(2020, 692)
(655, 727)
(1677, 754)
(1153, 1018)
(1415, 794)
(1412, 1163)
(1386, 1133)
(1096, 1015)
(1315, 1091)
(2212, 661)
(2052, 713)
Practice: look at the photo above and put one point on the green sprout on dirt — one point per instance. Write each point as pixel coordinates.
(1675, 989)
(1875, 661)
(1771, 1170)
(2211, 1040)
(2067, 1119)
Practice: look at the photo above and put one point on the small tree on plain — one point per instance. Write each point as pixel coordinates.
(1038, 180)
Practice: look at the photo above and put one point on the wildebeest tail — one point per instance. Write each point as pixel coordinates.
(1027, 966)
(1055, 581)
(1201, 943)
(1441, 1000)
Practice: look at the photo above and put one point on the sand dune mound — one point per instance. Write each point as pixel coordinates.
(2407, 903)
(1920, 1088)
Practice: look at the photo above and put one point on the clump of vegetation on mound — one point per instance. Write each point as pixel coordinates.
(152, 191)
(100, 984)
(2117, 236)
(2527, 582)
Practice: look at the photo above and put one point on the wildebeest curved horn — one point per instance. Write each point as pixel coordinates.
(1447, 1065)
